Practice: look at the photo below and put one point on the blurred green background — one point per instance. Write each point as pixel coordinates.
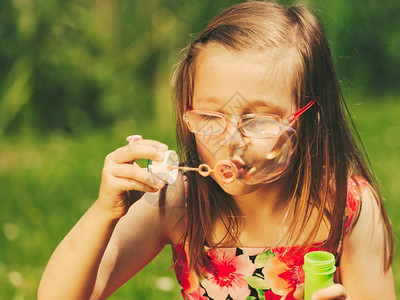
(77, 77)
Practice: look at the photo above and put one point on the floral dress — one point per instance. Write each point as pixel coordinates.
(253, 273)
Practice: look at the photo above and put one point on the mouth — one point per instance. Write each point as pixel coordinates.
(240, 165)
(226, 171)
(244, 170)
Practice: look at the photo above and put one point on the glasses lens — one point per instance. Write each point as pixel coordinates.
(205, 123)
(265, 160)
(261, 126)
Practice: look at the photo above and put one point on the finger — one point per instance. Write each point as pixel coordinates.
(153, 143)
(150, 143)
(135, 172)
(336, 291)
(126, 184)
(137, 150)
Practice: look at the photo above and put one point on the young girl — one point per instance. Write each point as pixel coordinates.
(258, 103)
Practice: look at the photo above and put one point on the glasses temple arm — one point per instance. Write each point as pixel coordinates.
(298, 113)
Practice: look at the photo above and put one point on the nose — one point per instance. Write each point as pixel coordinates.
(233, 138)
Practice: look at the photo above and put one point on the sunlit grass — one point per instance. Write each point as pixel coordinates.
(46, 184)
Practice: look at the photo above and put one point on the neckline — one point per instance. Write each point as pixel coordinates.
(317, 244)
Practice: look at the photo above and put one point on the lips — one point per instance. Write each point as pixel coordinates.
(226, 171)
(241, 167)
(245, 171)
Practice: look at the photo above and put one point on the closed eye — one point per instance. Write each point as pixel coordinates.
(207, 117)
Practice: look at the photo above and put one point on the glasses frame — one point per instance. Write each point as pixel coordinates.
(286, 121)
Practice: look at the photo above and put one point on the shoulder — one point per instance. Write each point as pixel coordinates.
(366, 215)
(365, 246)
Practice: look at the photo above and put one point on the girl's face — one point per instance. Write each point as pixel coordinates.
(237, 83)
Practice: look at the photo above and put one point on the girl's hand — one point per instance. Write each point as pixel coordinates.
(336, 291)
(123, 181)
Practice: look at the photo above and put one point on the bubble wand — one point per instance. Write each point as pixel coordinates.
(224, 169)
(167, 169)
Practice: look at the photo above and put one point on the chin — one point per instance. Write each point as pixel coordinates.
(237, 188)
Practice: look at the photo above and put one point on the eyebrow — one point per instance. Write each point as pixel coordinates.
(208, 99)
(252, 104)
(258, 103)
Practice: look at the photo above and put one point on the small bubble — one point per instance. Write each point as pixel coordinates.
(165, 284)
(11, 231)
(15, 278)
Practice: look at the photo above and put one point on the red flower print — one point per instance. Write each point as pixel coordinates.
(277, 275)
(195, 295)
(187, 280)
(269, 295)
(226, 273)
(284, 271)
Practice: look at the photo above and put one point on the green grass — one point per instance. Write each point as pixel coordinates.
(47, 184)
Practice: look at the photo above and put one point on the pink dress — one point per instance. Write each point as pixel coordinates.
(253, 273)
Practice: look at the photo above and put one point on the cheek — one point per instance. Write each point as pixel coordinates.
(204, 153)
(209, 150)
(258, 149)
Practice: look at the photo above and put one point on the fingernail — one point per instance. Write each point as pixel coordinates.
(133, 138)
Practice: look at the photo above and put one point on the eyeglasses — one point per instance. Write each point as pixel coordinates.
(251, 125)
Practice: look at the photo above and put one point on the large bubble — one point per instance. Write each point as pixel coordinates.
(265, 160)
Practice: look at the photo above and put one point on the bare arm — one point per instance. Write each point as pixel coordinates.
(137, 239)
(73, 270)
(362, 265)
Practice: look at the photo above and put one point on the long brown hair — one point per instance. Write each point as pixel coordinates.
(327, 153)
